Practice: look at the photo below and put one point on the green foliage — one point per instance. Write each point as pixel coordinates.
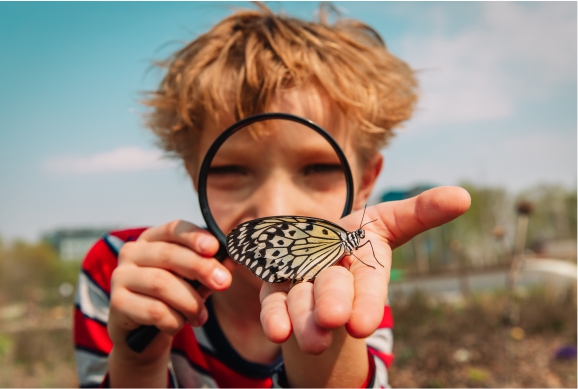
(5, 345)
(554, 212)
(397, 258)
(435, 383)
(404, 355)
(477, 375)
(33, 272)
(484, 235)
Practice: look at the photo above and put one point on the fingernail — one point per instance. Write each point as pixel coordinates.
(220, 276)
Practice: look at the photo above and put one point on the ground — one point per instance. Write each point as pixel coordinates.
(473, 345)
(436, 345)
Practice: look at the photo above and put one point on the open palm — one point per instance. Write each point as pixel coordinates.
(353, 295)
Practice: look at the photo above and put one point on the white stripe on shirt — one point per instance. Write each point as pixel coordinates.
(90, 367)
(91, 300)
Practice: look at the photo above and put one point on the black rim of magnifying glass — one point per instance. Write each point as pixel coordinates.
(139, 338)
(204, 172)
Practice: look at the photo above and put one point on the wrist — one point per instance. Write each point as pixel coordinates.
(147, 369)
(344, 363)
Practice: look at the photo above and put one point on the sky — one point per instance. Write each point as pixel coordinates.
(498, 101)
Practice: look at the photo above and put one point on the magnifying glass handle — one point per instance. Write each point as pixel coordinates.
(139, 338)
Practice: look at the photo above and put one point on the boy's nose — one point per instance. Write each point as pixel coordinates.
(280, 196)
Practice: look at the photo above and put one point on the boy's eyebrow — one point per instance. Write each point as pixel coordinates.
(304, 148)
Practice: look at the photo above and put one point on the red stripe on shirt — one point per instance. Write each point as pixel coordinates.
(228, 378)
(90, 334)
(371, 373)
(387, 320)
(99, 264)
(100, 261)
(186, 342)
(386, 358)
(131, 234)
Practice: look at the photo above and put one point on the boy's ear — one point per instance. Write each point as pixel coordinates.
(369, 173)
(192, 170)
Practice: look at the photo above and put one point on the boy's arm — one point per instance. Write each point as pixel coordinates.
(93, 346)
(92, 301)
(344, 364)
(148, 288)
(317, 356)
(106, 305)
(347, 362)
(352, 300)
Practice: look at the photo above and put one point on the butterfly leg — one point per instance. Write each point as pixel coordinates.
(295, 281)
(373, 267)
(371, 251)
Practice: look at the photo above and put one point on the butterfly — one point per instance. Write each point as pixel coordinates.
(296, 248)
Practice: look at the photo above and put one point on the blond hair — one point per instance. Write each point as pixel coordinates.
(239, 65)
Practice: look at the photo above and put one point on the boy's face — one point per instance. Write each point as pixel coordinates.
(288, 169)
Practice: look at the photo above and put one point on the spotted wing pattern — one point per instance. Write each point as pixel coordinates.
(284, 248)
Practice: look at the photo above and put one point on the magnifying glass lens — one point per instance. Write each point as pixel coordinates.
(275, 168)
(271, 164)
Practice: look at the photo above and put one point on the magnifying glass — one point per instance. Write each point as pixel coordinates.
(271, 164)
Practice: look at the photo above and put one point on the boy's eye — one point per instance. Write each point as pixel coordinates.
(227, 170)
(322, 168)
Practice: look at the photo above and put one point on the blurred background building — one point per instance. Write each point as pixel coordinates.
(72, 244)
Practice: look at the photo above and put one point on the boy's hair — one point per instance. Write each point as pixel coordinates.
(242, 62)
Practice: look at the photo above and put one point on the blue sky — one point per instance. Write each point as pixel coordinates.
(498, 103)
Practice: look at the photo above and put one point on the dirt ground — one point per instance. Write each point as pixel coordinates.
(37, 359)
(435, 345)
(473, 345)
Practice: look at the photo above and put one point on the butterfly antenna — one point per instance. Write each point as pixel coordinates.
(364, 208)
(369, 222)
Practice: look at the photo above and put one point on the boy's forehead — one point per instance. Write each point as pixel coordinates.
(275, 137)
(309, 102)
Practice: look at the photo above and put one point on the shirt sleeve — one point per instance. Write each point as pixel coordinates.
(91, 340)
(380, 349)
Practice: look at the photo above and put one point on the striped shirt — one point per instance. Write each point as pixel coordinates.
(200, 356)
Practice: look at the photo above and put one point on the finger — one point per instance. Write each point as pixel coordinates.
(178, 259)
(311, 338)
(134, 310)
(274, 315)
(205, 292)
(165, 286)
(407, 218)
(333, 292)
(187, 234)
(371, 287)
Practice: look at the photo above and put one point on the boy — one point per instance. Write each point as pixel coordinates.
(236, 330)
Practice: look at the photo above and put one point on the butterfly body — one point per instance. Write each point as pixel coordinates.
(297, 248)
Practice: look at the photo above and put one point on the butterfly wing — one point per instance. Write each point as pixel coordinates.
(277, 249)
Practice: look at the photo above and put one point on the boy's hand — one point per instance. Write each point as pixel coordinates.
(148, 288)
(355, 298)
